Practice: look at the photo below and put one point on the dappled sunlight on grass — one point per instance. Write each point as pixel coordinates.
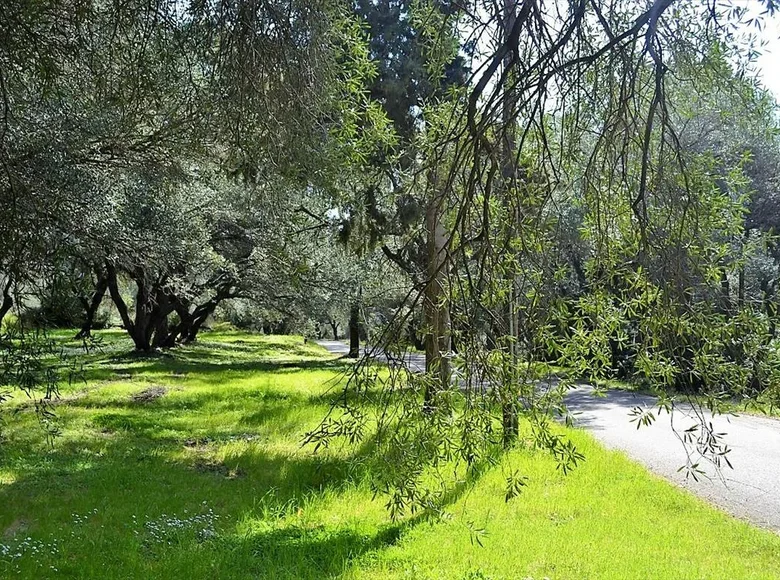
(190, 464)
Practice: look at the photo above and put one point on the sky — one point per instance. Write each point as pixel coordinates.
(768, 64)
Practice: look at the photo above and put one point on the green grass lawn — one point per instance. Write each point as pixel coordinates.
(190, 465)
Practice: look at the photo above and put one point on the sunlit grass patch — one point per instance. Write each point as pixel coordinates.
(190, 464)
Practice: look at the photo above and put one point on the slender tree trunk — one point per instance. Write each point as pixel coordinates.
(354, 329)
(741, 279)
(510, 421)
(335, 328)
(436, 315)
(725, 292)
(92, 305)
(582, 280)
(741, 285)
(768, 291)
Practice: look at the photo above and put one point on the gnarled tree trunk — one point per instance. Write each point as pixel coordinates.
(91, 305)
(149, 327)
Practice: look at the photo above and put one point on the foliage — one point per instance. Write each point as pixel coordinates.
(33, 364)
(586, 203)
(506, 184)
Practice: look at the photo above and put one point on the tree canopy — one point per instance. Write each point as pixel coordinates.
(506, 186)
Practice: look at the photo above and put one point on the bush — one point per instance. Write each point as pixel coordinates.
(246, 315)
(61, 312)
(223, 326)
(9, 321)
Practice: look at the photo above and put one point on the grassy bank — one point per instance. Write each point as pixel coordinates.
(190, 465)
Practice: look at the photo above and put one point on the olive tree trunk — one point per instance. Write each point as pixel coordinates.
(436, 314)
(91, 306)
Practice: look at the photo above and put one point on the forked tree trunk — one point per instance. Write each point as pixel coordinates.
(191, 322)
(335, 328)
(148, 329)
(200, 318)
(91, 306)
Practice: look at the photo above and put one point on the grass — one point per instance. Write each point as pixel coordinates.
(190, 465)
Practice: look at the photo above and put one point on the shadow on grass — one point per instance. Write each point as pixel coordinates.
(131, 477)
(305, 552)
(114, 359)
(169, 455)
(124, 367)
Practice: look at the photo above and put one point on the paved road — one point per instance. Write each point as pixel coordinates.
(414, 361)
(751, 490)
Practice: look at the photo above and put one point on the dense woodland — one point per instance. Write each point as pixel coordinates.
(509, 186)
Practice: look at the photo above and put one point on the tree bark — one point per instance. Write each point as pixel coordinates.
(148, 329)
(121, 306)
(436, 315)
(510, 421)
(92, 305)
(182, 329)
(143, 330)
(768, 289)
(191, 322)
(8, 299)
(159, 331)
(202, 315)
(335, 328)
(354, 329)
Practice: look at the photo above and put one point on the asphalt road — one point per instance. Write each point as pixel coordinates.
(414, 361)
(751, 490)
